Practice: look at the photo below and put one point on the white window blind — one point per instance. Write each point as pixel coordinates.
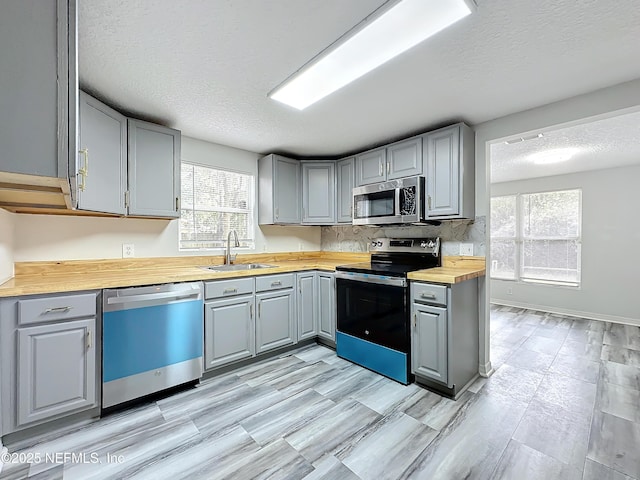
(214, 202)
(536, 237)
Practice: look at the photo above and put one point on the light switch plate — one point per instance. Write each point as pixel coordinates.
(466, 249)
(127, 250)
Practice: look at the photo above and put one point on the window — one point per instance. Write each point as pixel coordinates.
(535, 237)
(213, 203)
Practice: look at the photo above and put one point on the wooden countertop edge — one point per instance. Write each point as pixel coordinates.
(74, 279)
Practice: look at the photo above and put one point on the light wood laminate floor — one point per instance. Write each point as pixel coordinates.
(564, 403)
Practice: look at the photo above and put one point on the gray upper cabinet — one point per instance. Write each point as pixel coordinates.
(275, 320)
(450, 173)
(102, 179)
(371, 166)
(404, 158)
(56, 369)
(229, 330)
(38, 94)
(327, 306)
(279, 191)
(429, 354)
(307, 308)
(345, 176)
(154, 170)
(318, 193)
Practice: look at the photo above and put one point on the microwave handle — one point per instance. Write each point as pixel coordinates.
(396, 207)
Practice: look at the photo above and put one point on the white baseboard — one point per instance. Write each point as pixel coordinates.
(485, 370)
(571, 313)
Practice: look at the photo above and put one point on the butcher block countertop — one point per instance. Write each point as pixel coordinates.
(76, 275)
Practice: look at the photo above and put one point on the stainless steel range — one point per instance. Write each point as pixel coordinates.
(374, 307)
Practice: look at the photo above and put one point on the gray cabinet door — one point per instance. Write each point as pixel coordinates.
(275, 320)
(404, 158)
(443, 172)
(102, 157)
(228, 330)
(318, 193)
(371, 167)
(345, 170)
(56, 369)
(37, 61)
(286, 190)
(154, 170)
(307, 311)
(429, 355)
(327, 306)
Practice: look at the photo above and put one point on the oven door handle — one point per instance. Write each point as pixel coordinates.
(369, 278)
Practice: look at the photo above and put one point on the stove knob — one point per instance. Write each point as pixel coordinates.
(423, 244)
(432, 244)
(373, 244)
(379, 243)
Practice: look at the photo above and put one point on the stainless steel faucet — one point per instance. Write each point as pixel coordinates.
(228, 259)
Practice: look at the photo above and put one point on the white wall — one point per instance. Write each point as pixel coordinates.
(48, 237)
(6, 245)
(562, 113)
(610, 236)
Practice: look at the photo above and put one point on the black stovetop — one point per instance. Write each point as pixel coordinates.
(393, 265)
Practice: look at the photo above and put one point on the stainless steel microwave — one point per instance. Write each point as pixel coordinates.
(393, 202)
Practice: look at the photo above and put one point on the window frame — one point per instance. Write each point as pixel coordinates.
(520, 240)
(251, 210)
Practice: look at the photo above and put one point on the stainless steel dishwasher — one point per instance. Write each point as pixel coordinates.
(152, 339)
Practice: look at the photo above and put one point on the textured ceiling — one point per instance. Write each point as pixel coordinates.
(205, 67)
(608, 143)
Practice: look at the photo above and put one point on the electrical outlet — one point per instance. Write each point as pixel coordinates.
(466, 249)
(127, 250)
(300, 246)
(509, 291)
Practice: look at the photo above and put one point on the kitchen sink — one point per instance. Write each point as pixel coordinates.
(237, 266)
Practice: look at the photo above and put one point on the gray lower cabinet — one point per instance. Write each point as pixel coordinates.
(345, 181)
(37, 98)
(327, 306)
(50, 349)
(445, 335)
(275, 320)
(153, 170)
(229, 330)
(102, 172)
(279, 191)
(318, 193)
(450, 170)
(307, 310)
(429, 355)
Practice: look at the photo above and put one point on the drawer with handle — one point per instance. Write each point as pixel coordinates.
(63, 307)
(228, 288)
(274, 282)
(428, 293)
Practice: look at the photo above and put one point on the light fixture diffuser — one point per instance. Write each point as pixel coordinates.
(391, 30)
(556, 155)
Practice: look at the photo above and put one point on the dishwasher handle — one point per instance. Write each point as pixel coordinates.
(143, 296)
(146, 297)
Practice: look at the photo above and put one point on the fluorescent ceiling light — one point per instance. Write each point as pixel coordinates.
(384, 35)
(553, 156)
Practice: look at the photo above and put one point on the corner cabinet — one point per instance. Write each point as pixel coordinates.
(307, 310)
(450, 170)
(279, 191)
(345, 181)
(102, 157)
(49, 358)
(397, 160)
(318, 193)
(445, 335)
(154, 170)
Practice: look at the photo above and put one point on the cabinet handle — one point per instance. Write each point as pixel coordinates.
(126, 199)
(388, 168)
(380, 169)
(259, 309)
(229, 290)
(177, 204)
(88, 339)
(277, 213)
(276, 284)
(251, 310)
(58, 309)
(430, 296)
(84, 171)
(414, 320)
(429, 201)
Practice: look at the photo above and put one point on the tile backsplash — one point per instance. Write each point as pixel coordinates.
(355, 238)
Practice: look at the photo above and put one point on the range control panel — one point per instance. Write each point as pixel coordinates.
(406, 245)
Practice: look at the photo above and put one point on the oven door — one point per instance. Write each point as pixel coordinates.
(373, 308)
